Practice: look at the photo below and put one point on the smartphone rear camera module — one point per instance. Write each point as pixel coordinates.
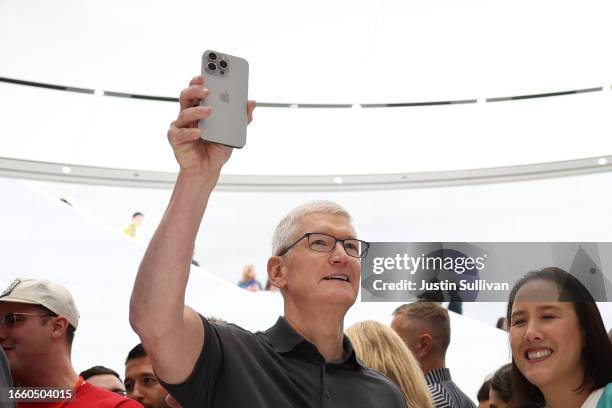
(212, 56)
(212, 66)
(223, 64)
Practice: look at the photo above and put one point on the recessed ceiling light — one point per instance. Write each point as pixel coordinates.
(338, 180)
(293, 105)
(602, 161)
(356, 106)
(66, 170)
(99, 92)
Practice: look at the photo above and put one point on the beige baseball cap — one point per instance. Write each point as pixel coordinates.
(42, 292)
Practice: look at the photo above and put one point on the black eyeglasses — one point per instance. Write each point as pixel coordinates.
(12, 319)
(326, 243)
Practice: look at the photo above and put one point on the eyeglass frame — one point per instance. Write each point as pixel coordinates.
(3, 318)
(342, 241)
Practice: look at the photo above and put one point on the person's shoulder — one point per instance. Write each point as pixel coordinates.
(225, 329)
(221, 324)
(605, 401)
(89, 394)
(384, 385)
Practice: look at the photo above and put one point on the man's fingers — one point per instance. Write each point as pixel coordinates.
(250, 108)
(190, 116)
(197, 80)
(192, 96)
(177, 136)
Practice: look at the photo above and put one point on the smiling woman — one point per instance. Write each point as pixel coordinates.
(561, 356)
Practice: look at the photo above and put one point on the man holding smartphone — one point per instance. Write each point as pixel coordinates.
(304, 360)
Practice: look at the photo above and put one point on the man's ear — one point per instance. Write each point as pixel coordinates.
(276, 271)
(59, 325)
(424, 344)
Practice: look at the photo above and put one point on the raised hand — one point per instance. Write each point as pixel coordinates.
(193, 154)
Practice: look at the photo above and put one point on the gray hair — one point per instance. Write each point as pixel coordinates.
(285, 231)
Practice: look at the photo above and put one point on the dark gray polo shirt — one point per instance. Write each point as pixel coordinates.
(278, 368)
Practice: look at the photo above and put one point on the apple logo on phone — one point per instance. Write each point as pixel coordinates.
(224, 96)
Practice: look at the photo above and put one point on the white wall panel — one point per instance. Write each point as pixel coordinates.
(43, 237)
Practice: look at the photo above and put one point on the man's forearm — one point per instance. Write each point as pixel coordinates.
(158, 297)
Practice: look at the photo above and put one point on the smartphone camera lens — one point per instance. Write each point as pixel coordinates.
(212, 56)
(222, 72)
(212, 66)
(223, 64)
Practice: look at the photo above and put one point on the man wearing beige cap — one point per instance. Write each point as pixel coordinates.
(38, 319)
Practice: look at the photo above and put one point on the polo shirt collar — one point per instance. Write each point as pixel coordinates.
(284, 339)
(437, 375)
(282, 336)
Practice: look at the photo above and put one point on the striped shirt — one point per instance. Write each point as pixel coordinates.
(444, 391)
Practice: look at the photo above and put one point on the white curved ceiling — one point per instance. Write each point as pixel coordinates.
(316, 51)
(84, 129)
(313, 52)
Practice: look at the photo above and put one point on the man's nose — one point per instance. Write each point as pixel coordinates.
(136, 393)
(3, 332)
(339, 253)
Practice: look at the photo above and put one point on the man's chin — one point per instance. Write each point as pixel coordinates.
(344, 299)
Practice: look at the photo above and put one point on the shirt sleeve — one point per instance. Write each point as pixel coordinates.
(198, 389)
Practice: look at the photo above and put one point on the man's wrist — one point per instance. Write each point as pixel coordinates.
(201, 177)
(199, 174)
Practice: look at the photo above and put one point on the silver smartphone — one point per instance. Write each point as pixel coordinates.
(227, 79)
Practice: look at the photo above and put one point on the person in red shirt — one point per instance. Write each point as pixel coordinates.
(38, 319)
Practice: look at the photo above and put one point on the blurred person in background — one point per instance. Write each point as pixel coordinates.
(502, 324)
(561, 354)
(134, 226)
(38, 320)
(425, 328)
(483, 394)
(140, 381)
(249, 281)
(381, 349)
(105, 378)
(500, 390)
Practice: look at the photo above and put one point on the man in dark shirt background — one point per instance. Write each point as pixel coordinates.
(302, 361)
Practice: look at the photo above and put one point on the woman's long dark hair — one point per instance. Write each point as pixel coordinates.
(597, 352)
